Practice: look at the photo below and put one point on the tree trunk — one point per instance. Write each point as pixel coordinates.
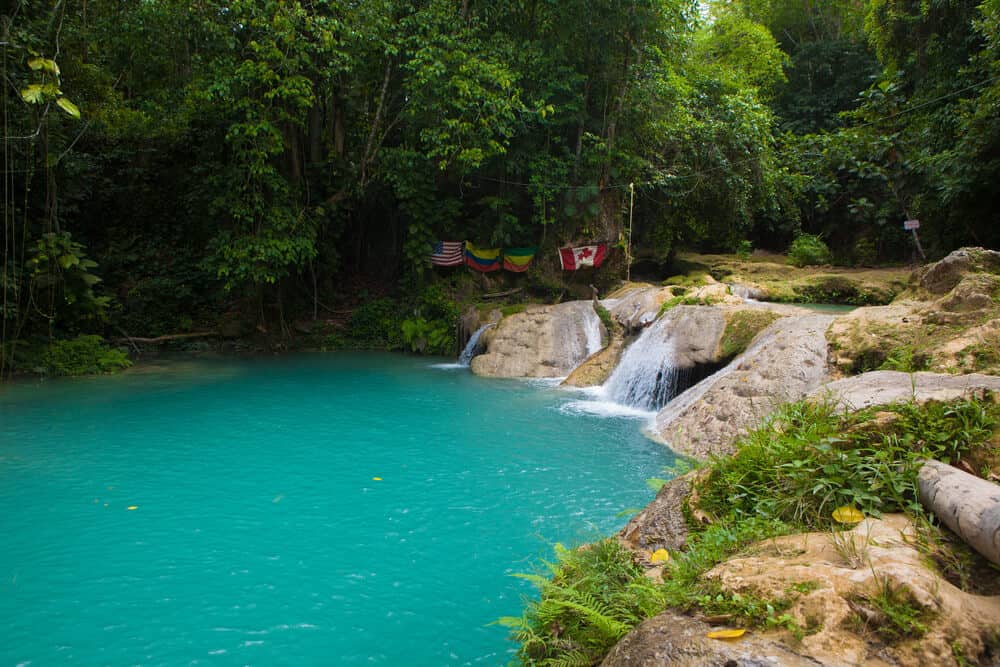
(970, 506)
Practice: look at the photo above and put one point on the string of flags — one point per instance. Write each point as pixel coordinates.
(517, 260)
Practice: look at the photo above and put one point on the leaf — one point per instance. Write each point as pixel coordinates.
(659, 556)
(33, 94)
(44, 63)
(68, 107)
(727, 634)
(847, 514)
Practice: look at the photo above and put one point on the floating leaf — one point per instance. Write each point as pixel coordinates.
(132, 507)
(68, 107)
(377, 479)
(847, 514)
(727, 634)
(33, 94)
(659, 556)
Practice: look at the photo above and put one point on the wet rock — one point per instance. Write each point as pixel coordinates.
(545, 341)
(598, 366)
(786, 362)
(672, 639)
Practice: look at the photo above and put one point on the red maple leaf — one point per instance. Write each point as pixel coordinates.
(585, 253)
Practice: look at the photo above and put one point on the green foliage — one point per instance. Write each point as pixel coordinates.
(83, 355)
(904, 359)
(811, 458)
(61, 278)
(595, 595)
(744, 249)
(891, 612)
(741, 327)
(376, 324)
(808, 250)
(428, 337)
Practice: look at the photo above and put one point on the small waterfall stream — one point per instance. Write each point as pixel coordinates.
(592, 332)
(646, 376)
(470, 350)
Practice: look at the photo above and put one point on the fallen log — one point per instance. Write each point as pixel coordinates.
(497, 295)
(163, 339)
(967, 504)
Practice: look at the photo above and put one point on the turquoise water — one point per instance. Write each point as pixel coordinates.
(260, 535)
(833, 308)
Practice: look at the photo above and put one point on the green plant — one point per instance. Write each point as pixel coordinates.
(592, 598)
(428, 336)
(606, 319)
(376, 324)
(810, 458)
(851, 547)
(741, 327)
(84, 355)
(808, 250)
(891, 612)
(904, 359)
(744, 249)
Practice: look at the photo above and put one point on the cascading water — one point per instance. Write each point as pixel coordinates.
(471, 347)
(592, 332)
(646, 376)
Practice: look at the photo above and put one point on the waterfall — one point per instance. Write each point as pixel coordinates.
(646, 376)
(592, 332)
(471, 347)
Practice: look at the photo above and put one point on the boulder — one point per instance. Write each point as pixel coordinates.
(636, 306)
(661, 524)
(679, 641)
(598, 366)
(941, 277)
(883, 387)
(544, 341)
(832, 578)
(786, 362)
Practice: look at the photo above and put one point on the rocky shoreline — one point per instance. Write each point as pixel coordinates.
(946, 321)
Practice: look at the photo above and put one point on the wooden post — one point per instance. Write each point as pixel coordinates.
(628, 241)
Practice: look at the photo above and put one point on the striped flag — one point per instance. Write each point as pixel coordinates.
(518, 259)
(578, 258)
(482, 259)
(447, 253)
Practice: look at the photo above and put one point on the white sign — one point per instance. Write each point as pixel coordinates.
(911, 224)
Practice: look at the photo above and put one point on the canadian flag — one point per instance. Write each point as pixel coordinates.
(588, 255)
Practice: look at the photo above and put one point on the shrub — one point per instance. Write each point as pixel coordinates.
(84, 355)
(808, 250)
(596, 595)
(376, 325)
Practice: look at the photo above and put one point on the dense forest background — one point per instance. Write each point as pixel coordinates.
(171, 163)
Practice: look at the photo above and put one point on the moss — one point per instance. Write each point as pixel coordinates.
(741, 327)
(512, 309)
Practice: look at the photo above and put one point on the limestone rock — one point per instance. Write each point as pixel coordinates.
(941, 277)
(785, 363)
(636, 306)
(835, 571)
(545, 341)
(598, 366)
(883, 387)
(661, 524)
(675, 640)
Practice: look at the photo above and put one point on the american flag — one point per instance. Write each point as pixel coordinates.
(448, 253)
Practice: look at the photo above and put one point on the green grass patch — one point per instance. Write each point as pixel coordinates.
(810, 459)
(741, 327)
(891, 612)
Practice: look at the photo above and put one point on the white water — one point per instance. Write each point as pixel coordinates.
(646, 377)
(592, 332)
(465, 358)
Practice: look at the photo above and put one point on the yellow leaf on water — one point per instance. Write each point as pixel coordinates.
(377, 479)
(132, 507)
(727, 634)
(847, 514)
(659, 556)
